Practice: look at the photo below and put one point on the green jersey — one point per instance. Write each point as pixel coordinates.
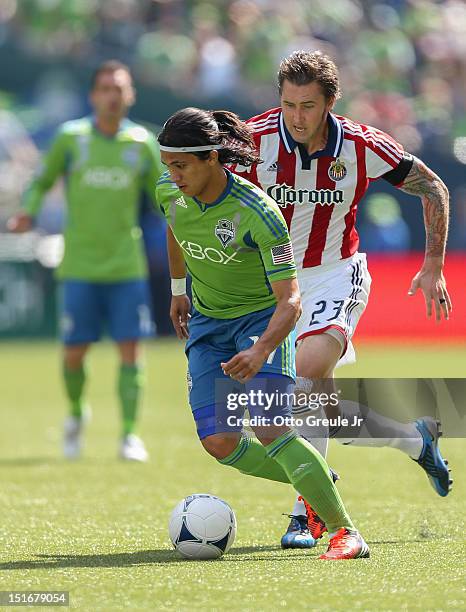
(105, 178)
(234, 248)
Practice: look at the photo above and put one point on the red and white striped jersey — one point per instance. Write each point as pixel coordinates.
(319, 194)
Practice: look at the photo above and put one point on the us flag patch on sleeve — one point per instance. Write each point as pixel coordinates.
(283, 253)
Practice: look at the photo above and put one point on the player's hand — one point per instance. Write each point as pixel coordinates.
(244, 365)
(179, 314)
(22, 222)
(432, 283)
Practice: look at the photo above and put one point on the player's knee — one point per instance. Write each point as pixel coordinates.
(74, 356)
(317, 356)
(316, 369)
(220, 446)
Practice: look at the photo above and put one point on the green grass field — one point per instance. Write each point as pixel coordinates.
(98, 527)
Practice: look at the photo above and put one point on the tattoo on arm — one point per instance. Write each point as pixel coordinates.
(421, 181)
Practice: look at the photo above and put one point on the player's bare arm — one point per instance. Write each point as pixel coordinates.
(19, 223)
(246, 364)
(180, 304)
(423, 182)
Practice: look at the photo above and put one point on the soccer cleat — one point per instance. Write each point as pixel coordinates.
(430, 458)
(72, 437)
(132, 449)
(297, 535)
(346, 544)
(315, 524)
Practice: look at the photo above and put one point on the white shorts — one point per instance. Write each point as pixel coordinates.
(333, 300)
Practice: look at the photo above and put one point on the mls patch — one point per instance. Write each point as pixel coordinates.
(283, 253)
(225, 231)
(337, 170)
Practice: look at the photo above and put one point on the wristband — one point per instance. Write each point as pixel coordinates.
(178, 286)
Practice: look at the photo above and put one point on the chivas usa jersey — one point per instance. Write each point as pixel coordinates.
(234, 248)
(319, 194)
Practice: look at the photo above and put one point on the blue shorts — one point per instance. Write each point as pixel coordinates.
(121, 308)
(215, 341)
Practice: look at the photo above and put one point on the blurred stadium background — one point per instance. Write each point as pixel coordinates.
(403, 69)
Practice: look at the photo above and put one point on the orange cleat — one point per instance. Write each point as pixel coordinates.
(315, 524)
(346, 544)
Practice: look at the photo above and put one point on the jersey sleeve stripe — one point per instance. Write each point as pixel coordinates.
(258, 128)
(268, 126)
(378, 140)
(257, 122)
(384, 144)
(284, 269)
(385, 138)
(389, 157)
(377, 135)
(281, 230)
(251, 204)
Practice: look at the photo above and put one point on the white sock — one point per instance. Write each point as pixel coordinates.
(378, 431)
(299, 509)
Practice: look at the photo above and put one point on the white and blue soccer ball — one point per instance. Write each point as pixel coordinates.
(202, 526)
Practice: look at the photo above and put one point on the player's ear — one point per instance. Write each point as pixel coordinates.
(213, 157)
(330, 103)
(131, 95)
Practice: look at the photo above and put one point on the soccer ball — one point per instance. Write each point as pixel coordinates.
(202, 526)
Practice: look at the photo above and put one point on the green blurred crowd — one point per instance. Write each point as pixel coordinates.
(402, 62)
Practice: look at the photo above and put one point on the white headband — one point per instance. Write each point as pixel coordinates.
(212, 147)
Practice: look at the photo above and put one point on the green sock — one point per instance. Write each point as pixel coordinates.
(309, 474)
(251, 458)
(74, 385)
(130, 383)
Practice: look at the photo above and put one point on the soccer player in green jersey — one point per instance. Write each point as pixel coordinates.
(234, 242)
(108, 163)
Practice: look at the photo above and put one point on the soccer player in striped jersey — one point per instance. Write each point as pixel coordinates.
(317, 166)
(234, 242)
(109, 163)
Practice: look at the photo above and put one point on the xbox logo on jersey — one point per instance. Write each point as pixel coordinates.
(286, 196)
(196, 251)
(101, 177)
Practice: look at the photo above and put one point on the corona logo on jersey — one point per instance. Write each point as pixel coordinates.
(102, 177)
(337, 170)
(287, 196)
(225, 231)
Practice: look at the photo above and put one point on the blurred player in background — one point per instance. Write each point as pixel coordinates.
(234, 242)
(108, 163)
(317, 166)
